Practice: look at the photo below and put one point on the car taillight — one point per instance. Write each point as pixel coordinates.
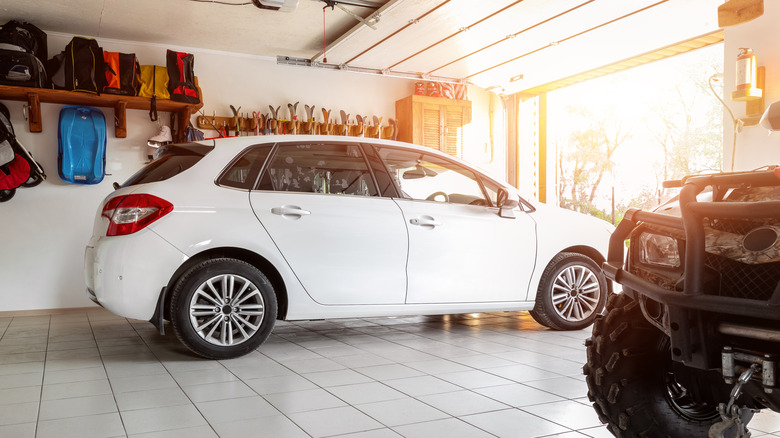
(131, 213)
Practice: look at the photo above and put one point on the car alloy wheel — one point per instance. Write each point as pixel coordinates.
(576, 293)
(223, 308)
(226, 310)
(572, 291)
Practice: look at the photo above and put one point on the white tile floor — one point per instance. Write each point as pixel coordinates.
(87, 373)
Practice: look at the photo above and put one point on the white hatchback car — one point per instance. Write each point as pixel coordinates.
(222, 239)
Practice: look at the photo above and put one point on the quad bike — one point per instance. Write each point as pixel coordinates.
(692, 345)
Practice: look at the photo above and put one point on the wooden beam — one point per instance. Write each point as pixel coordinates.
(120, 119)
(735, 12)
(542, 148)
(34, 112)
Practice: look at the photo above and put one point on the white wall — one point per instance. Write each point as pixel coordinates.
(43, 229)
(755, 147)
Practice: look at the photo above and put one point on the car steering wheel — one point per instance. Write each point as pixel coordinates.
(432, 196)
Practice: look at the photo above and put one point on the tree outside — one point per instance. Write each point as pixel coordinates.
(630, 131)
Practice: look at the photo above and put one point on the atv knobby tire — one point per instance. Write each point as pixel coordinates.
(631, 381)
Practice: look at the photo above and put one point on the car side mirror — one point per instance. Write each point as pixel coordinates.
(506, 205)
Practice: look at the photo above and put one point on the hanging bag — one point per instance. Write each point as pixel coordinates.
(181, 67)
(121, 73)
(25, 37)
(80, 67)
(22, 47)
(153, 83)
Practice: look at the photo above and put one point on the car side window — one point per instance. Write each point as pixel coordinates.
(242, 172)
(319, 168)
(429, 178)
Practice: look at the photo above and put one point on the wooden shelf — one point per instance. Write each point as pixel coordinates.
(35, 96)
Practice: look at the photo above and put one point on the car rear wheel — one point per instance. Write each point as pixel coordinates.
(571, 293)
(223, 308)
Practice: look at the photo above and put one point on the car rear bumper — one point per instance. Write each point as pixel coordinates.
(125, 274)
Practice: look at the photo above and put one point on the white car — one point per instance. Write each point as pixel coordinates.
(224, 238)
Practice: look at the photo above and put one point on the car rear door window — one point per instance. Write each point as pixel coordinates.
(328, 168)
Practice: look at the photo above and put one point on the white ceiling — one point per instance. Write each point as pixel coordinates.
(484, 42)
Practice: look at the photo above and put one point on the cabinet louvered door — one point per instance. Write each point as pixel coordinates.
(432, 126)
(453, 131)
(433, 122)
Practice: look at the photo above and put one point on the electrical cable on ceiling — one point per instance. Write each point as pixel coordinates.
(222, 3)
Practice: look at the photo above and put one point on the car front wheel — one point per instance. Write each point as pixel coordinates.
(571, 293)
(223, 308)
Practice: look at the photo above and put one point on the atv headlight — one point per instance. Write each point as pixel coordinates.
(655, 249)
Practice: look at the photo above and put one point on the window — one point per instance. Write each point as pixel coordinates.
(319, 168)
(429, 178)
(171, 160)
(242, 172)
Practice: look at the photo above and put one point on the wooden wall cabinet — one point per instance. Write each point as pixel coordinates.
(434, 122)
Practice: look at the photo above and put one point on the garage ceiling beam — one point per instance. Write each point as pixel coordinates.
(645, 58)
(464, 29)
(578, 34)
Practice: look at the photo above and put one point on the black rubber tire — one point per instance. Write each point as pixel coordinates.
(628, 375)
(546, 313)
(6, 195)
(187, 286)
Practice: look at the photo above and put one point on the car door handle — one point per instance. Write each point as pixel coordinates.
(290, 210)
(425, 221)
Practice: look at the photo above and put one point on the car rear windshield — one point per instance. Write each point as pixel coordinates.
(171, 160)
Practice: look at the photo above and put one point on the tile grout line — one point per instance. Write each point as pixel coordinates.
(43, 376)
(378, 381)
(178, 385)
(100, 354)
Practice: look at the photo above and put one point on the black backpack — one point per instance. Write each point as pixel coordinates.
(26, 37)
(80, 67)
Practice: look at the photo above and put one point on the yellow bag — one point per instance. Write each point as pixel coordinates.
(153, 81)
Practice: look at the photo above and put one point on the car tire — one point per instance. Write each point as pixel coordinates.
(633, 384)
(223, 308)
(571, 293)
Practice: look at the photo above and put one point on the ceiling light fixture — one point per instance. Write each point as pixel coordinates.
(276, 5)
